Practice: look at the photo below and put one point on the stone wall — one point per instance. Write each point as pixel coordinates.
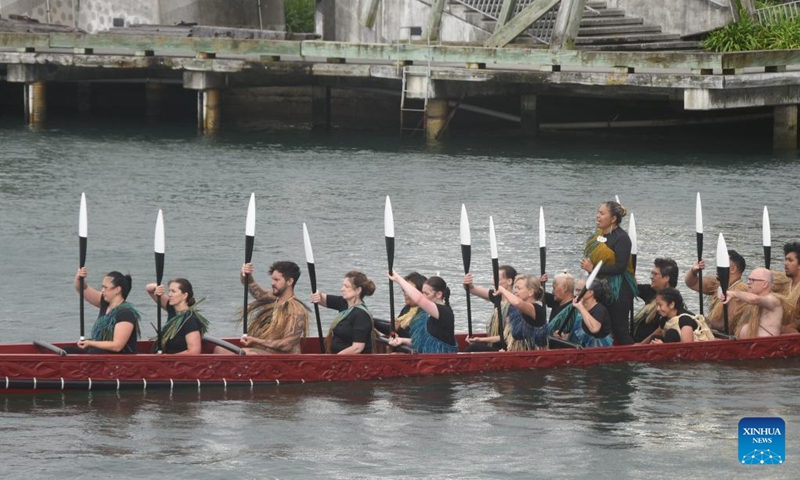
(686, 17)
(343, 20)
(98, 15)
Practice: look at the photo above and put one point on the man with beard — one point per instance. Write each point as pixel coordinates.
(277, 321)
(647, 320)
(791, 267)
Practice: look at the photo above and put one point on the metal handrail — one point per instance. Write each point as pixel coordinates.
(776, 13)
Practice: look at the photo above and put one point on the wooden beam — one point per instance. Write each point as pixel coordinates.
(521, 22)
(568, 21)
(371, 13)
(435, 21)
(506, 12)
(748, 6)
(701, 99)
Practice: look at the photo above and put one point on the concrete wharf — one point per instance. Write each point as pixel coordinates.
(440, 75)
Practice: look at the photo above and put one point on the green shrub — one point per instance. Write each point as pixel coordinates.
(299, 15)
(749, 34)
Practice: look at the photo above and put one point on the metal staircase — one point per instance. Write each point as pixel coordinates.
(602, 28)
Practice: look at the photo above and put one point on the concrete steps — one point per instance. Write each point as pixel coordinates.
(601, 28)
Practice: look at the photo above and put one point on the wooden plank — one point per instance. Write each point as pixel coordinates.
(225, 46)
(435, 21)
(371, 13)
(702, 99)
(568, 21)
(761, 58)
(521, 22)
(506, 12)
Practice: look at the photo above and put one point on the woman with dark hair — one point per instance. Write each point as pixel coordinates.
(434, 330)
(679, 324)
(611, 244)
(525, 328)
(587, 322)
(408, 314)
(353, 329)
(117, 327)
(183, 332)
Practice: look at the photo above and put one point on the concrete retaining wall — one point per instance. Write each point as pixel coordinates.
(342, 20)
(98, 15)
(686, 17)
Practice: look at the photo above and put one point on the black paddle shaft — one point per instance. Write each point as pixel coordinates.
(700, 272)
(724, 274)
(312, 275)
(248, 257)
(498, 301)
(159, 278)
(767, 256)
(633, 261)
(466, 256)
(82, 281)
(390, 258)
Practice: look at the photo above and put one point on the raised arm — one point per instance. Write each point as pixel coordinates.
(154, 291)
(90, 295)
(474, 289)
(256, 290)
(520, 304)
(415, 295)
(769, 302)
(320, 298)
(710, 284)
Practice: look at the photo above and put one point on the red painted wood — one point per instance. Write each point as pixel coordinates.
(24, 361)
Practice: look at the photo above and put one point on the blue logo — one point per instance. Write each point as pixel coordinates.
(762, 441)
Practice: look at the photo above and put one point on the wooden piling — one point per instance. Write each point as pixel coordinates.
(321, 108)
(436, 118)
(784, 131)
(35, 103)
(529, 114)
(211, 110)
(154, 99)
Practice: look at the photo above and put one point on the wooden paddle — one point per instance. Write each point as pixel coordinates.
(158, 248)
(498, 302)
(249, 240)
(312, 275)
(634, 251)
(724, 274)
(82, 239)
(388, 227)
(699, 229)
(466, 257)
(542, 256)
(766, 233)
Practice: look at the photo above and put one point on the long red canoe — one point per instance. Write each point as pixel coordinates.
(28, 367)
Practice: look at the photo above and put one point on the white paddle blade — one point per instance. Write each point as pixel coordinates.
(632, 234)
(250, 224)
(616, 197)
(466, 238)
(766, 232)
(594, 273)
(698, 216)
(492, 238)
(83, 223)
(388, 219)
(722, 253)
(158, 243)
(542, 240)
(307, 245)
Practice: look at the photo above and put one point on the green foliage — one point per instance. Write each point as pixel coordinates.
(299, 15)
(749, 34)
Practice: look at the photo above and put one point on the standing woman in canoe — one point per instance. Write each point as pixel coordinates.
(611, 244)
(183, 332)
(353, 329)
(434, 330)
(117, 327)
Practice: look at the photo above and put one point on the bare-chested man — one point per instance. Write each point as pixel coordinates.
(791, 267)
(759, 292)
(710, 286)
(277, 321)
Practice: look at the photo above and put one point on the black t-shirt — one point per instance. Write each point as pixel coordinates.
(619, 241)
(178, 343)
(123, 315)
(443, 327)
(403, 332)
(540, 320)
(356, 327)
(600, 313)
